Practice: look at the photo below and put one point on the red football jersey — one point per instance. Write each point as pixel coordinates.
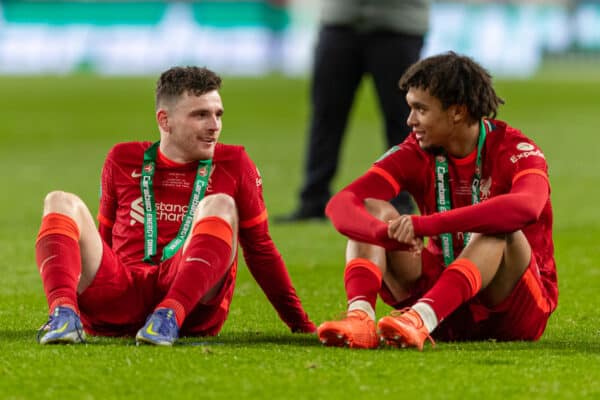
(507, 156)
(232, 173)
(121, 215)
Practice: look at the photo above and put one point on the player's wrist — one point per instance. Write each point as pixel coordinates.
(417, 223)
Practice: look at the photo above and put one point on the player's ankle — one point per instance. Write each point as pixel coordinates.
(427, 315)
(362, 305)
(63, 302)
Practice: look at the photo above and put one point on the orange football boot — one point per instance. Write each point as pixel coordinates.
(404, 328)
(356, 330)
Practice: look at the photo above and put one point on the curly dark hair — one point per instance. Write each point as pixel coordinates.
(178, 80)
(454, 79)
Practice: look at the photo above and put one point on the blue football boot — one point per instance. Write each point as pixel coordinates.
(160, 328)
(63, 326)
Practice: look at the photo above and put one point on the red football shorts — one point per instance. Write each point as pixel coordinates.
(121, 297)
(521, 316)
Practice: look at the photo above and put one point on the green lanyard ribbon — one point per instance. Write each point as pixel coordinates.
(150, 225)
(443, 195)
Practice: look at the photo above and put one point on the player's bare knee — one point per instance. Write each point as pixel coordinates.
(517, 238)
(375, 254)
(380, 209)
(479, 239)
(62, 202)
(517, 254)
(218, 205)
(485, 251)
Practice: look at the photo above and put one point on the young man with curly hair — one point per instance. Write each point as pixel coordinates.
(482, 187)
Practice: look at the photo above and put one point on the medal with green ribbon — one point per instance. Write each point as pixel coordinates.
(443, 195)
(149, 204)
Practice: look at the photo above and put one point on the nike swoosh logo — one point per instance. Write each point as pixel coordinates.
(192, 259)
(136, 174)
(43, 265)
(62, 328)
(149, 330)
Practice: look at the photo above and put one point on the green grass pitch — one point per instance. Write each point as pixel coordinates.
(54, 134)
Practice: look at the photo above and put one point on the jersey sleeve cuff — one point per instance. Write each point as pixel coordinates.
(535, 171)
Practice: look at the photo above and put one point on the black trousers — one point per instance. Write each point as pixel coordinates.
(342, 57)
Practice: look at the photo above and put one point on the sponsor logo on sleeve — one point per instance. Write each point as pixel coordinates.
(527, 150)
(524, 146)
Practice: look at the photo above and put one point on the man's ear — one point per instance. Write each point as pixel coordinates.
(162, 118)
(458, 113)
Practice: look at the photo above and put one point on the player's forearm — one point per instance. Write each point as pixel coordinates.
(268, 269)
(349, 216)
(502, 214)
(275, 282)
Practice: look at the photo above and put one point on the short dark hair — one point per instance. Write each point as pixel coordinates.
(455, 79)
(178, 80)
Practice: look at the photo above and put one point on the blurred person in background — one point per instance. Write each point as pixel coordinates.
(378, 38)
(163, 262)
(483, 191)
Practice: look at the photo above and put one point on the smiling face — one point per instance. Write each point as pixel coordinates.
(190, 126)
(448, 95)
(433, 125)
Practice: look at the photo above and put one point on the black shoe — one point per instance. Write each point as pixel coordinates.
(301, 215)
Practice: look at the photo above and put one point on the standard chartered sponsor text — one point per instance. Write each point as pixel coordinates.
(164, 212)
(170, 212)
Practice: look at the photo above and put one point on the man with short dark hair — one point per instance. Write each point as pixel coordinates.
(164, 260)
(482, 187)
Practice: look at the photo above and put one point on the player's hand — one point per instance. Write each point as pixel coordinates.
(402, 230)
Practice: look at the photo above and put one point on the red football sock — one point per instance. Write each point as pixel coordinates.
(204, 262)
(362, 280)
(457, 284)
(59, 261)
